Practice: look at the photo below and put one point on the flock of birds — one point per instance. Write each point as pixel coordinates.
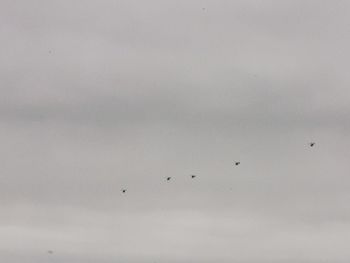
(236, 163)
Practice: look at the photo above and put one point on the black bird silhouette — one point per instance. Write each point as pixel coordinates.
(124, 190)
(237, 163)
(193, 176)
(168, 178)
(312, 144)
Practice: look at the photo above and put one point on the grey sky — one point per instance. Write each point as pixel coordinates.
(97, 96)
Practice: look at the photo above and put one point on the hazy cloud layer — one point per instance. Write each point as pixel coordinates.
(97, 96)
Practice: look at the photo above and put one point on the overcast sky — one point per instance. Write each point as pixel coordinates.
(97, 96)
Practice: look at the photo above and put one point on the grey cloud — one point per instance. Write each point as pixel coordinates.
(97, 96)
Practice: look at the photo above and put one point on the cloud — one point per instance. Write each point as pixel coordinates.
(97, 96)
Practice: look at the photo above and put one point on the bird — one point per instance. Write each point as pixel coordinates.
(193, 176)
(237, 163)
(168, 178)
(312, 144)
(50, 252)
(124, 190)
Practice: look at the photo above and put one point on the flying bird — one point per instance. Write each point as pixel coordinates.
(168, 178)
(124, 190)
(312, 144)
(237, 163)
(193, 176)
